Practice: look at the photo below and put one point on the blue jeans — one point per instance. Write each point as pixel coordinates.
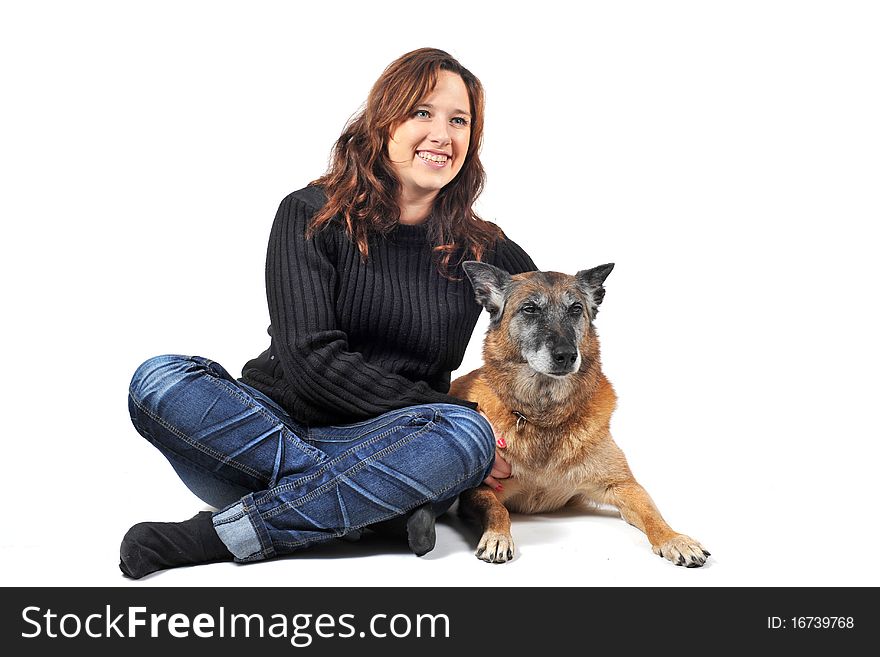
(282, 486)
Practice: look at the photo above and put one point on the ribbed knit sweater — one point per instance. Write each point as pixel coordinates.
(351, 340)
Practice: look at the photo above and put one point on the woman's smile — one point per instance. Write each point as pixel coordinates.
(433, 159)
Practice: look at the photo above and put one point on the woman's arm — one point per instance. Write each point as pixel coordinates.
(313, 351)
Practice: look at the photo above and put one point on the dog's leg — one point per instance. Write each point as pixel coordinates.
(496, 544)
(639, 510)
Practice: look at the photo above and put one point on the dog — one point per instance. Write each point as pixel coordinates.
(542, 388)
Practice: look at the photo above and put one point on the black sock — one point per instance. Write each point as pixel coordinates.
(151, 546)
(420, 531)
(417, 527)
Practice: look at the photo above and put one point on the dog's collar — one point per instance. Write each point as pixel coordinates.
(520, 419)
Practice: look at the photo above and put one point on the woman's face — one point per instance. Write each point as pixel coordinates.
(428, 149)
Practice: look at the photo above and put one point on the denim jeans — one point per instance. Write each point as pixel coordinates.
(282, 486)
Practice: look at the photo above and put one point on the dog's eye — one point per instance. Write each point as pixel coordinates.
(576, 310)
(530, 309)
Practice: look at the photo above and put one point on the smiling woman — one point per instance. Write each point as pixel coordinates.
(345, 421)
(386, 168)
(428, 149)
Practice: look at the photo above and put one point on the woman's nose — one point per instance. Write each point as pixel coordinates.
(440, 132)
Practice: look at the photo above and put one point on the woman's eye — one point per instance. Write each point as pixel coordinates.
(425, 114)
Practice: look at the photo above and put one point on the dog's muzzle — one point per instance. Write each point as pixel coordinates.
(563, 360)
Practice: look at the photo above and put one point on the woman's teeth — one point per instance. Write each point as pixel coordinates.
(431, 157)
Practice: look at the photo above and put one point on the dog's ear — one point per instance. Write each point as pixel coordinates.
(490, 285)
(590, 283)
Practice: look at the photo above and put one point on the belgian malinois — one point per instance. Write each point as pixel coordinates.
(542, 387)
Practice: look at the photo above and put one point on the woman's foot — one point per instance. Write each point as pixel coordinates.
(420, 532)
(417, 527)
(151, 546)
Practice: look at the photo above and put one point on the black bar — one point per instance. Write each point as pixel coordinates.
(504, 620)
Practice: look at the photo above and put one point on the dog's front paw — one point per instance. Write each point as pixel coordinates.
(683, 551)
(496, 547)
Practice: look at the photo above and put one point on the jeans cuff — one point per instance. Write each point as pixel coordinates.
(243, 532)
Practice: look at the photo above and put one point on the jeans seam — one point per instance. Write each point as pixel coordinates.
(357, 466)
(197, 445)
(235, 518)
(289, 435)
(288, 544)
(399, 412)
(348, 440)
(336, 459)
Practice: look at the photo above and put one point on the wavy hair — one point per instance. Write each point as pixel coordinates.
(361, 185)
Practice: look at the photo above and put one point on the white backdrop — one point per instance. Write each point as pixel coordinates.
(724, 155)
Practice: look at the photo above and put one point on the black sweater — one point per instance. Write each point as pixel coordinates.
(352, 340)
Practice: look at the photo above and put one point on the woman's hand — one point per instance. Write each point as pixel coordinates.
(501, 468)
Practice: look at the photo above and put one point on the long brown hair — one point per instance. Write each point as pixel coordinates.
(361, 185)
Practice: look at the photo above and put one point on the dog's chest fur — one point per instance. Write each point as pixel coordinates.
(549, 469)
(560, 450)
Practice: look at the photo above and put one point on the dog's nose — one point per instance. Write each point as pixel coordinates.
(564, 356)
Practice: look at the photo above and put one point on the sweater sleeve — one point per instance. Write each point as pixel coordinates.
(511, 257)
(313, 352)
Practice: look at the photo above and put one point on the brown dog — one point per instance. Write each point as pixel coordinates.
(542, 387)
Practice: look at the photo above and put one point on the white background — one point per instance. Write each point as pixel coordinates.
(724, 155)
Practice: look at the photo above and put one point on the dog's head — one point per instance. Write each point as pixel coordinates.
(542, 318)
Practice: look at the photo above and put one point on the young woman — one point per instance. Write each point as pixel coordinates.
(344, 422)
